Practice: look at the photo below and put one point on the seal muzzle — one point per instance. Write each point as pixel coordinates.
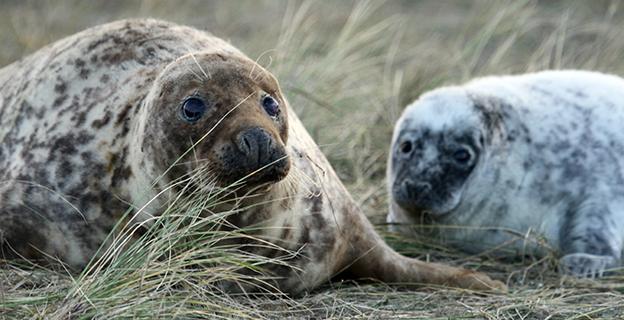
(259, 156)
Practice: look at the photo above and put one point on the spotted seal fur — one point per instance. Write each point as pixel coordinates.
(91, 125)
(537, 154)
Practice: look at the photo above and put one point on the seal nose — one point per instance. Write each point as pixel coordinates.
(414, 189)
(255, 144)
(257, 150)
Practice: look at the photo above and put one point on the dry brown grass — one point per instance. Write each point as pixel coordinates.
(348, 68)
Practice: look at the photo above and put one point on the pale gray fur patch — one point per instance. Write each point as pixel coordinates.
(556, 168)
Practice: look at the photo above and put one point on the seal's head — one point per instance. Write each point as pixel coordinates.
(437, 144)
(221, 112)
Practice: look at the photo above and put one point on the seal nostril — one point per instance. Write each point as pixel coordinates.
(246, 143)
(258, 156)
(256, 146)
(405, 147)
(408, 187)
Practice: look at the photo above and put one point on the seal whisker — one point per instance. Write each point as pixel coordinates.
(253, 68)
(207, 76)
(195, 162)
(195, 74)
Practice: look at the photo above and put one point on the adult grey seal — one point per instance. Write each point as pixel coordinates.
(539, 153)
(93, 124)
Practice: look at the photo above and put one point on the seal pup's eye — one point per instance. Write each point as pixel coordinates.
(405, 147)
(270, 105)
(193, 109)
(462, 155)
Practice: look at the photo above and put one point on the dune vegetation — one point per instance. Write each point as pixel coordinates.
(348, 68)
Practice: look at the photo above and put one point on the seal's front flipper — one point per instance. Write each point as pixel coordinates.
(590, 240)
(584, 265)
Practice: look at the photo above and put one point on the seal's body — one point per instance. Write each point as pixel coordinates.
(508, 156)
(105, 121)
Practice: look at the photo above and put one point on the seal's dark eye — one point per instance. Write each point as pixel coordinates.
(270, 105)
(193, 109)
(405, 147)
(462, 155)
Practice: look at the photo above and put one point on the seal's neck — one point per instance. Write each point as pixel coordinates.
(147, 187)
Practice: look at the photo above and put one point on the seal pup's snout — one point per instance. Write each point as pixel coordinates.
(415, 189)
(258, 151)
(409, 193)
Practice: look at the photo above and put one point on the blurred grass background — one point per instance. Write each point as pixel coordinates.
(348, 68)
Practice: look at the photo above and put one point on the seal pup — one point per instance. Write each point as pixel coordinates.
(540, 153)
(102, 121)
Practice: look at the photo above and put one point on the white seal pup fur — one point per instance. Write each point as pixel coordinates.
(540, 153)
(93, 124)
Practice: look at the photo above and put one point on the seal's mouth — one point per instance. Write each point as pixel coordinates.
(254, 176)
(412, 195)
(272, 172)
(416, 196)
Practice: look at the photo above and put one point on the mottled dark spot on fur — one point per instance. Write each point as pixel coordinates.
(59, 100)
(489, 110)
(319, 240)
(63, 171)
(86, 157)
(84, 137)
(122, 117)
(22, 239)
(286, 234)
(98, 42)
(84, 73)
(561, 146)
(501, 211)
(577, 93)
(53, 127)
(526, 165)
(64, 145)
(122, 170)
(539, 146)
(99, 123)
(116, 56)
(510, 184)
(297, 152)
(60, 86)
(79, 118)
